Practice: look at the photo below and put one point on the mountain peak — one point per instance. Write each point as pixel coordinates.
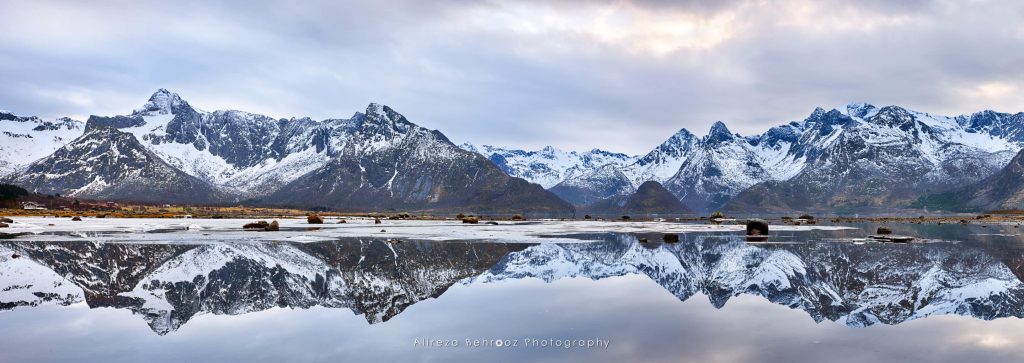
(163, 102)
(719, 132)
(382, 117)
(719, 126)
(376, 109)
(860, 109)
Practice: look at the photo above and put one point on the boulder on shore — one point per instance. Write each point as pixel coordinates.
(314, 219)
(76, 218)
(6, 220)
(670, 238)
(260, 225)
(471, 220)
(272, 227)
(4, 225)
(883, 230)
(757, 227)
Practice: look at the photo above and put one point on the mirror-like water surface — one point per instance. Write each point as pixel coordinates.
(801, 296)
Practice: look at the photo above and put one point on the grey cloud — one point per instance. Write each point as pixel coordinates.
(516, 73)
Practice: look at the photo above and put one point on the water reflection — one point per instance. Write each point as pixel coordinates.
(821, 273)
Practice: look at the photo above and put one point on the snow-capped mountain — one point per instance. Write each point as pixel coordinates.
(651, 198)
(853, 158)
(105, 163)
(868, 157)
(1003, 190)
(380, 160)
(374, 160)
(549, 166)
(605, 182)
(857, 156)
(27, 139)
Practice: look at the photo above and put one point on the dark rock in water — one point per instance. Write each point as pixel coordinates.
(642, 240)
(4, 225)
(471, 220)
(807, 217)
(342, 221)
(625, 218)
(517, 217)
(883, 230)
(716, 215)
(272, 227)
(6, 220)
(76, 218)
(757, 227)
(260, 225)
(314, 219)
(670, 238)
(493, 223)
(587, 217)
(101, 216)
(376, 221)
(15, 255)
(382, 231)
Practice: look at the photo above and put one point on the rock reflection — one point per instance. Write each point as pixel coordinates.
(855, 285)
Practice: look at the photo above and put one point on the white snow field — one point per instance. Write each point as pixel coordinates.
(298, 230)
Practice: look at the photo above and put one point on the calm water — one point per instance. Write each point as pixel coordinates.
(713, 297)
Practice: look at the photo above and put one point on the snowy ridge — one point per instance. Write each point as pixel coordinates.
(549, 166)
(27, 139)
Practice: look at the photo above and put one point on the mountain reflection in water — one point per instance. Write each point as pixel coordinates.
(853, 284)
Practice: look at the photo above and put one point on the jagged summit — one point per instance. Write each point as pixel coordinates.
(861, 109)
(163, 102)
(719, 133)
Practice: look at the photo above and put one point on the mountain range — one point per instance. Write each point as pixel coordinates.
(167, 285)
(851, 159)
(859, 158)
(168, 151)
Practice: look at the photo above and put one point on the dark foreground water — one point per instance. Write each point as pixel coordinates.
(801, 297)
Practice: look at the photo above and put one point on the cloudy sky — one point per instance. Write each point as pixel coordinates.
(619, 75)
